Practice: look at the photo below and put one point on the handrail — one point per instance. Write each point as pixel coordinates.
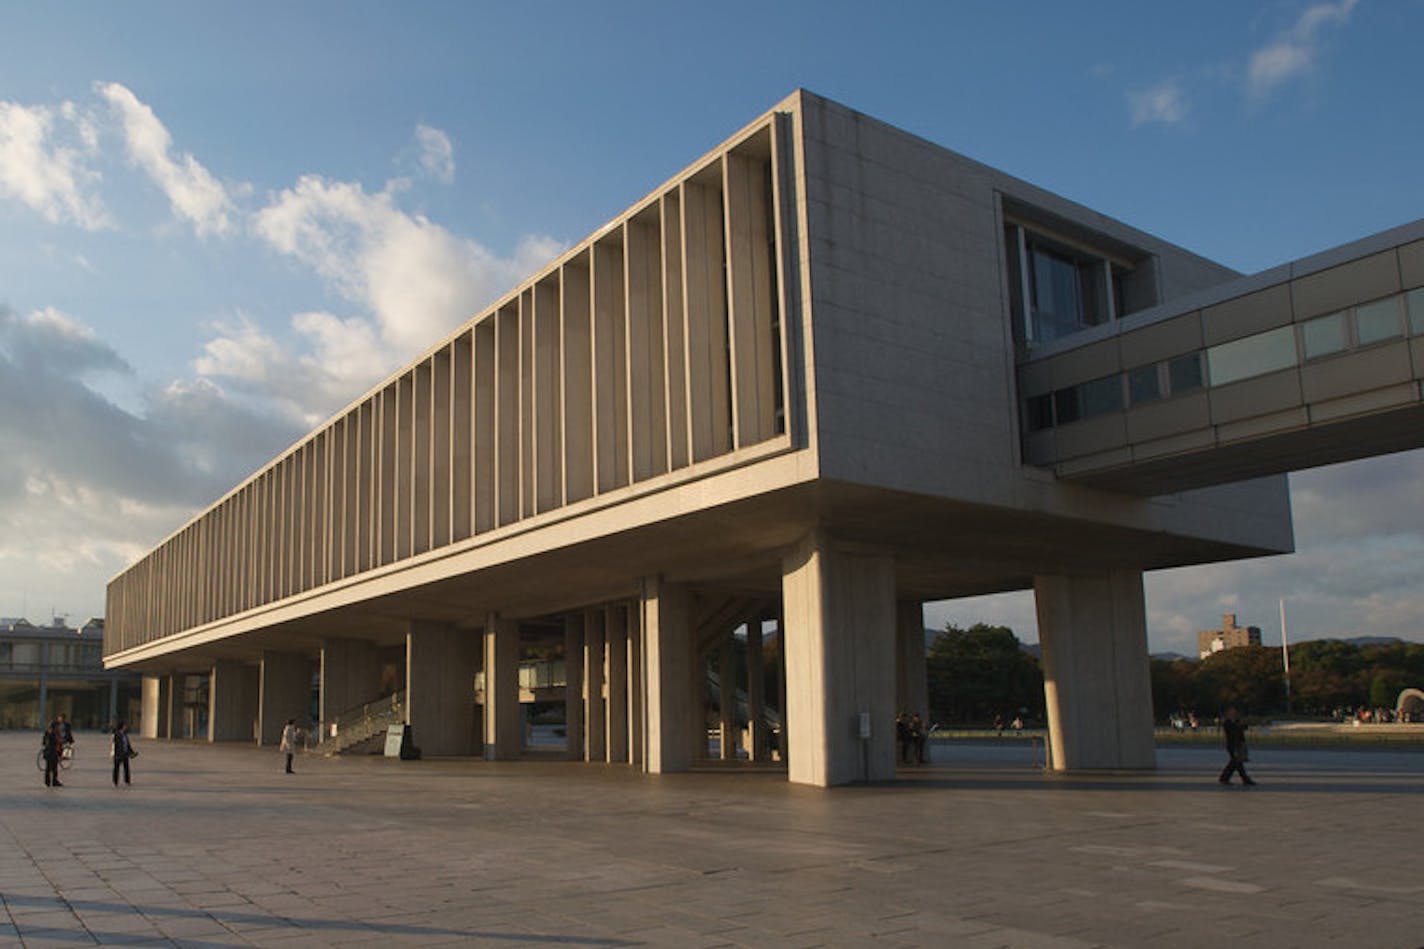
(360, 723)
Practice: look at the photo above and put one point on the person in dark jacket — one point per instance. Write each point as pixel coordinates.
(1235, 735)
(52, 746)
(123, 751)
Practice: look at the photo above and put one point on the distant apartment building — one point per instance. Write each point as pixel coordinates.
(48, 670)
(1229, 636)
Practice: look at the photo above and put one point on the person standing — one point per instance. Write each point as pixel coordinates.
(1235, 734)
(123, 751)
(289, 742)
(52, 746)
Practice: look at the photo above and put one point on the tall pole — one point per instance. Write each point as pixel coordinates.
(1285, 654)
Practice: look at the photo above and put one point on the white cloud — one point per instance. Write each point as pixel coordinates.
(1293, 52)
(1165, 103)
(194, 194)
(418, 279)
(44, 155)
(437, 154)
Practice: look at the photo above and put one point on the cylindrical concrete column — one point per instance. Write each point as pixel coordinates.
(149, 707)
(912, 691)
(756, 693)
(440, 688)
(503, 734)
(729, 731)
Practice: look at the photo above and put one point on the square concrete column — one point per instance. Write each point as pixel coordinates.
(840, 662)
(1096, 679)
(595, 737)
(150, 708)
(615, 651)
(573, 686)
(440, 688)
(350, 677)
(728, 732)
(912, 688)
(756, 694)
(232, 701)
(284, 692)
(503, 729)
(668, 676)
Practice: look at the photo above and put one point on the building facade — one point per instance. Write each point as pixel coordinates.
(51, 670)
(716, 457)
(1229, 636)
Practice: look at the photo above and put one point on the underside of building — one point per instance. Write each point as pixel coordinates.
(698, 476)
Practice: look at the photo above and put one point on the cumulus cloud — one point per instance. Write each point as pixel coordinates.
(45, 163)
(1293, 52)
(437, 154)
(194, 194)
(1165, 103)
(416, 278)
(87, 485)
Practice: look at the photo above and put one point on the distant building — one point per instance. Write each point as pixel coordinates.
(1230, 636)
(46, 670)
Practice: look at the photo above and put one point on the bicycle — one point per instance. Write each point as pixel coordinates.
(66, 758)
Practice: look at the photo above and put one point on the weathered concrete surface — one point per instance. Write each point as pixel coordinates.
(214, 846)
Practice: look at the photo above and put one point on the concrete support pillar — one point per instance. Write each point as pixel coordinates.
(440, 688)
(504, 736)
(635, 685)
(757, 748)
(840, 662)
(615, 651)
(728, 730)
(595, 745)
(232, 701)
(114, 701)
(284, 693)
(350, 676)
(170, 724)
(668, 667)
(42, 717)
(149, 709)
(573, 686)
(1096, 679)
(912, 689)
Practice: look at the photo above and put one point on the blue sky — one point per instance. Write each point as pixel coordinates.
(203, 208)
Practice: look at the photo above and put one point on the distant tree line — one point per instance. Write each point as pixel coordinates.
(984, 671)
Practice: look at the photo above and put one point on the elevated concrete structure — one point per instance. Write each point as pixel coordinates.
(718, 454)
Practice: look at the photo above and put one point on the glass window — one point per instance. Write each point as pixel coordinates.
(1377, 321)
(1039, 413)
(1066, 406)
(1415, 299)
(1101, 396)
(1184, 374)
(1144, 384)
(1324, 336)
(1252, 356)
(1066, 289)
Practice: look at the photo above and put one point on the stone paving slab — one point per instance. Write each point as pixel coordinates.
(213, 846)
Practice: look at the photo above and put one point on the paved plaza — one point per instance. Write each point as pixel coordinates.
(215, 846)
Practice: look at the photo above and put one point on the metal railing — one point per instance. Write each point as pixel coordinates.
(360, 724)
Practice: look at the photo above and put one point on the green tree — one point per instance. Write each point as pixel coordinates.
(1249, 677)
(981, 671)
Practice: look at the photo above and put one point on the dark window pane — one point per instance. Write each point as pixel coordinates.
(1038, 413)
(1144, 385)
(1184, 373)
(1066, 406)
(1101, 396)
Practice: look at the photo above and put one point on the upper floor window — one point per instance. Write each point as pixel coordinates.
(1059, 286)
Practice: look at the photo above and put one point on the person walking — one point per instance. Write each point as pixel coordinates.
(1235, 734)
(52, 746)
(123, 751)
(289, 742)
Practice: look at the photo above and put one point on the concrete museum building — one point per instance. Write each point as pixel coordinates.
(718, 454)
